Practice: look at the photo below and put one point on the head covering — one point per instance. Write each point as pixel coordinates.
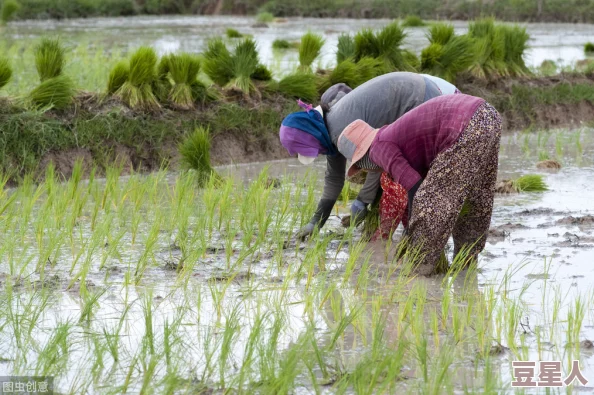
(298, 126)
(354, 142)
(334, 94)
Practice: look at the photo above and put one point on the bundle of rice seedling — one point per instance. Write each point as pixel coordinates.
(245, 63)
(447, 54)
(117, 77)
(527, 183)
(218, 62)
(309, 50)
(384, 45)
(49, 58)
(589, 48)
(281, 44)
(353, 74)
(516, 43)
(449, 60)
(5, 72)
(162, 84)
(346, 48)
(440, 33)
(413, 21)
(183, 70)
(489, 47)
(530, 183)
(54, 92)
(265, 17)
(195, 154)
(137, 91)
(232, 33)
(262, 73)
(300, 86)
(9, 8)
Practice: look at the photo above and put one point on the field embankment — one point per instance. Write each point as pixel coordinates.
(101, 132)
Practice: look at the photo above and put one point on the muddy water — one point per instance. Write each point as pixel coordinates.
(545, 239)
(547, 253)
(562, 43)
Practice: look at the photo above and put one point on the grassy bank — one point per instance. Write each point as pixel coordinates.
(104, 132)
(511, 10)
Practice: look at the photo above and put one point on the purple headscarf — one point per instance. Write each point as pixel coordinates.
(297, 142)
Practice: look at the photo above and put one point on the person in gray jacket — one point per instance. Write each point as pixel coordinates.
(378, 102)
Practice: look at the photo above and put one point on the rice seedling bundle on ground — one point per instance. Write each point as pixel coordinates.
(346, 48)
(137, 91)
(385, 45)
(5, 72)
(49, 58)
(413, 21)
(8, 10)
(56, 90)
(183, 71)
(232, 33)
(284, 44)
(118, 76)
(499, 49)
(265, 17)
(195, 154)
(353, 74)
(527, 183)
(235, 71)
(309, 50)
(447, 54)
(516, 43)
(298, 85)
(589, 48)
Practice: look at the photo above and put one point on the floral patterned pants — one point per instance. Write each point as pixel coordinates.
(465, 171)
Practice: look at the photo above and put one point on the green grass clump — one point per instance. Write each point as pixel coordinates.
(589, 48)
(413, 21)
(265, 17)
(195, 153)
(5, 72)
(232, 33)
(530, 183)
(137, 91)
(261, 73)
(284, 44)
(56, 92)
(118, 76)
(309, 50)
(300, 86)
(385, 45)
(49, 58)
(346, 48)
(447, 54)
(9, 8)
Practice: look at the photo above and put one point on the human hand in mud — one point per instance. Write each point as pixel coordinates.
(358, 212)
(306, 231)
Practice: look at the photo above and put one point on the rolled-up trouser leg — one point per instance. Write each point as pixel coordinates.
(452, 175)
(472, 228)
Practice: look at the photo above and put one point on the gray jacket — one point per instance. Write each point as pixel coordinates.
(378, 102)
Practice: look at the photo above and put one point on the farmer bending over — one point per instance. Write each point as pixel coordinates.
(378, 102)
(442, 152)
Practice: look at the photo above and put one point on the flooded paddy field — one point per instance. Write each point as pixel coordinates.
(97, 44)
(149, 284)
